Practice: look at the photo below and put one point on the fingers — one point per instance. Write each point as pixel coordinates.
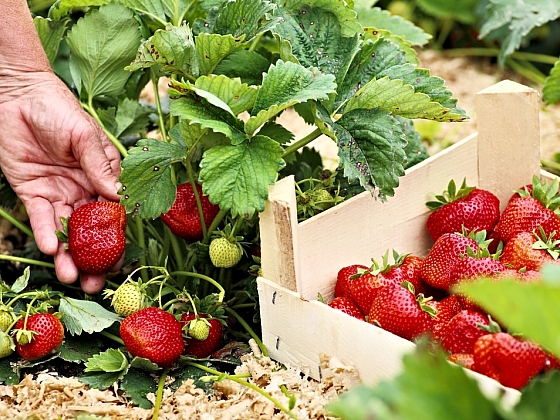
(66, 270)
(92, 283)
(42, 219)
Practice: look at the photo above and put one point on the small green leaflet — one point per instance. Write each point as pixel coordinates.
(21, 282)
(523, 307)
(51, 33)
(285, 85)
(85, 316)
(112, 360)
(237, 177)
(98, 57)
(196, 110)
(382, 19)
(249, 66)
(78, 349)
(236, 95)
(211, 50)
(539, 400)
(371, 149)
(130, 117)
(173, 49)
(242, 19)
(160, 10)
(345, 15)
(520, 17)
(147, 188)
(61, 8)
(551, 88)
(137, 384)
(374, 34)
(400, 99)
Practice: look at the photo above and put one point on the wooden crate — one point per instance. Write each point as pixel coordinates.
(300, 260)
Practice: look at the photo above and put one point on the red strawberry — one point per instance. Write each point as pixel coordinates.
(465, 360)
(397, 309)
(551, 362)
(473, 265)
(154, 334)
(463, 331)
(47, 336)
(348, 306)
(183, 217)
(345, 276)
(469, 208)
(365, 287)
(521, 275)
(530, 250)
(203, 348)
(510, 360)
(446, 309)
(527, 212)
(406, 267)
(443, 255)
(96, 236)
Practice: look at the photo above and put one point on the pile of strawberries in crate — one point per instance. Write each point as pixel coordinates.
(414, 295)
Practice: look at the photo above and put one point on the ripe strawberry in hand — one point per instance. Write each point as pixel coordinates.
(154, 334)
(345, 276)
(398, 310)
(530, 250)
(348, 306)
(96, 236)
(39, 336)
(510, 360)
(529, 211)
(469, 208)
(202, 348)
(183, 217)
(463, 330)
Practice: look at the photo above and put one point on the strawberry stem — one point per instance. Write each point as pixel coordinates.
(203, 277)
(252, 333)
(26, 261)
(159, 393)
(112, 337)
(17, 223)
(141, 244)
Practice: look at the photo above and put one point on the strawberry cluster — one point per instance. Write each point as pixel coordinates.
(414, 296)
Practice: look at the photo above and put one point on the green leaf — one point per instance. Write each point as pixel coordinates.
(112, 360)
(520, 17)
(237, 177)
(523, 307)
(159, 10)
(375, 34)
(78, 349)
(415, 151)
(148, 190)
(85, 316)
(101, 380)
(276, 132)
(285, 85)
(539, 399)
(249, 66)
(243, 19)
(551, 88)
(198, 111)
(463, 11)
(98, 57)
(144, 364)
(129, 118)
(9, 370)
(428, 388)
(61, 8)
(396, 25)
(51, 34)
(173, 49)
(137, 385)
(21, 282)
(401, 99)
(236, 95)
(211, 49)
(315, 40)
(371, 149)
(344, 14)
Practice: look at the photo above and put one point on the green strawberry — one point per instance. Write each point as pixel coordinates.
(225, 252)
(127, 299)
(6, 320)
(7, 345)
(199, 329)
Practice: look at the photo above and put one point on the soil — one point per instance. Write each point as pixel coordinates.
(49, 395)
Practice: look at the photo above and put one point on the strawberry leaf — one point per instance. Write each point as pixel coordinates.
(101, 380)
(396, 25)
(212, 48)
(98, 57)
(130, 117)
(538, 400)
(61, 8)
(237, 177)
(285, 85)
(112, 360)
(173, 49)
(77, 350)
(399, 98)
(85, 316)
(159, 10)
(137, 384)
(371, 149)
(374, 34)
(51, 33)
(146, 178)
(249, 66)
(551, 88)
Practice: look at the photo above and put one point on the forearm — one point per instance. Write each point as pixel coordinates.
(20, 47)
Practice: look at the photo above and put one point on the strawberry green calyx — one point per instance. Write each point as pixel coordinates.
(548, 195)
(547, 243)
(450, 195)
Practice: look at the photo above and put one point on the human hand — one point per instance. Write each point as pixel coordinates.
(56, 158)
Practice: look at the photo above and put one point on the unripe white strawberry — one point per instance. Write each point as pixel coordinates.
(225, 253)
(127, 299)
(7, 345)
(6, 320)
(199, 329)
